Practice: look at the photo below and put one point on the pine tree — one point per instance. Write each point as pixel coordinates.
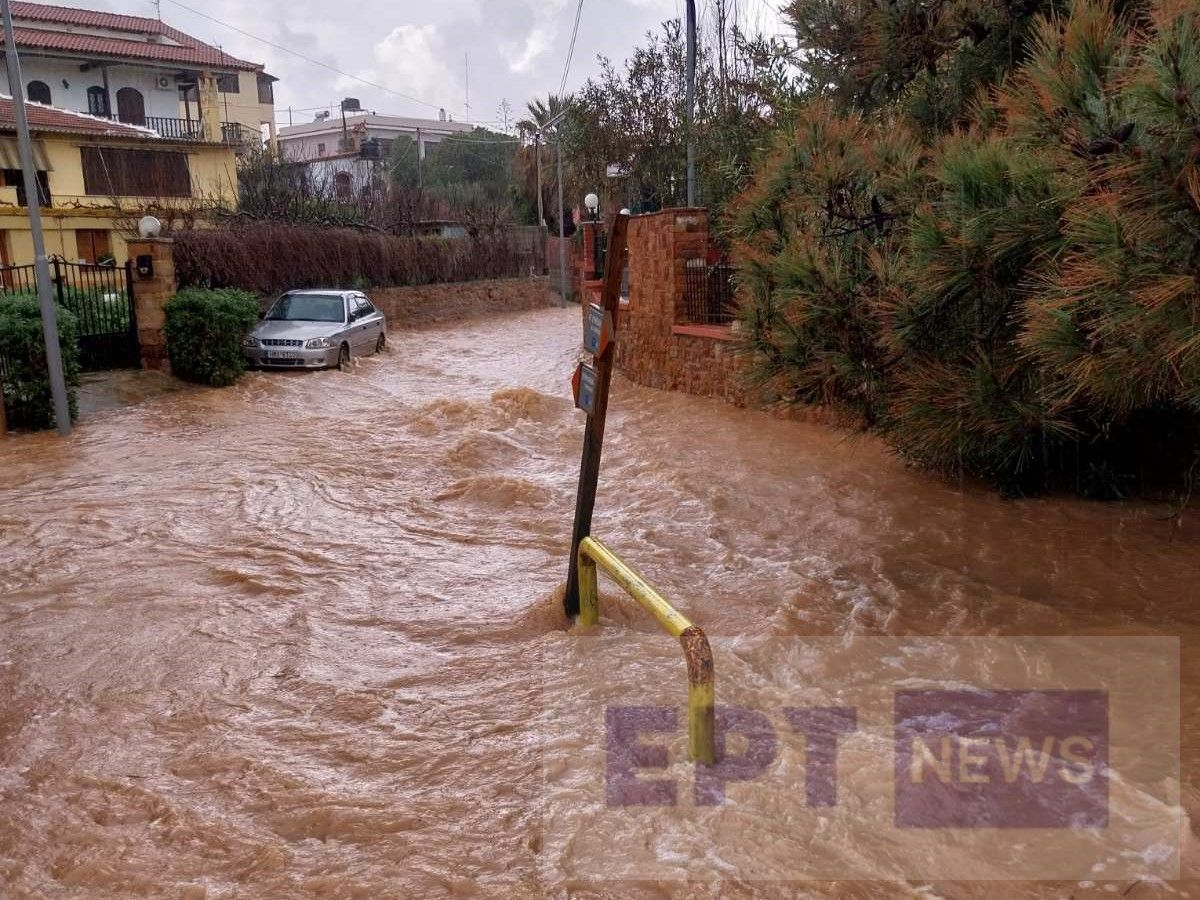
(1029, 309)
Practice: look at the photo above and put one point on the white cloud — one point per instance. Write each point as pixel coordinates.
(412, 59)
(521, 57)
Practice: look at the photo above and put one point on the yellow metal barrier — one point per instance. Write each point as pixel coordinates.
(696, 652)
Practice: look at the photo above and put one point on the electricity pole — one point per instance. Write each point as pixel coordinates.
(562, 250)
(33, 202)
(690, 102)
(562, 242)
(537, 153)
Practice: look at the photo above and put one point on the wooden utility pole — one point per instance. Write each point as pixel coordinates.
(593, 435)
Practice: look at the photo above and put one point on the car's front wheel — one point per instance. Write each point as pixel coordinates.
(343, 363)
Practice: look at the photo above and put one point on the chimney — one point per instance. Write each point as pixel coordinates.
(441, 115)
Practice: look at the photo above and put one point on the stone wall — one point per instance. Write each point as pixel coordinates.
(428, 304)
(654, 346)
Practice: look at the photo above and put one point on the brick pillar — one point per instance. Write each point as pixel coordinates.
(150, 294)
(591, 288)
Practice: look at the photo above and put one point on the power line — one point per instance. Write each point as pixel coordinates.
(562, 85)
(309, 59)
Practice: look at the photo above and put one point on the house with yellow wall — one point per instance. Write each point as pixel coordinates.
(97, 177)
(141, 71)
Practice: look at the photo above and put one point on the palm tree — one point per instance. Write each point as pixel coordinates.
(540, 114)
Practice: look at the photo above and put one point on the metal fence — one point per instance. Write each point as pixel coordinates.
(708, 297)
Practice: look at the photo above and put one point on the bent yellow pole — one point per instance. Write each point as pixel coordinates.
(696, 651)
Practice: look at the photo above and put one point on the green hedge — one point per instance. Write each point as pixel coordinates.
(205, 330)
(27, 399)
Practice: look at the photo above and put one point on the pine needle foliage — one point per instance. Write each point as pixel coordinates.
(1018, 297)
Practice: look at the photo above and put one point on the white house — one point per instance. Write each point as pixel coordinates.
(328, 137)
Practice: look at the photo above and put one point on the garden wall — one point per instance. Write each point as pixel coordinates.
(428, 304)
(654, 346)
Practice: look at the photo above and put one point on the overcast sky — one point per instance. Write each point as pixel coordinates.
(418, 48)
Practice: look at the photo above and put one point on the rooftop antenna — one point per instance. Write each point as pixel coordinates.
(157, 9)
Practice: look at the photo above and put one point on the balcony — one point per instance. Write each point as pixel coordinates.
(233, 134)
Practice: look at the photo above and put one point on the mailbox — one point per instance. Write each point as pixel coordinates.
(145, 265)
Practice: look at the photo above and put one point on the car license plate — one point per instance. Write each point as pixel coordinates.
(282, 354)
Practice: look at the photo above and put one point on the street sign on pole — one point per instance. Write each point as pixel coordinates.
(593, 435)
(597, 330)
(33, 198)
(583, 385)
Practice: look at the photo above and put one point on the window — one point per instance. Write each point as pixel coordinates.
(16, 178)
(320, 149)
(135, 173)
(98, 101)
(266, 91)
(38, 92)
(228, 83)
(93, 246)
(342, 187)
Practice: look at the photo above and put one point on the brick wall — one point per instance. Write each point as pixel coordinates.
(653, 348)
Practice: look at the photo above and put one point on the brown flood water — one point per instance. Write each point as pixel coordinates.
(282, 640)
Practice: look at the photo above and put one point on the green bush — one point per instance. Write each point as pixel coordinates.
(27, 399)
(205, 330)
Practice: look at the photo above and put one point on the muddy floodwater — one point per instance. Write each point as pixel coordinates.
(289, 639)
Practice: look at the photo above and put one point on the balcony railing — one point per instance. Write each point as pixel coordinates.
(233, 134)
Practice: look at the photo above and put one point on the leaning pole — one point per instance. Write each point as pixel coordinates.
(33, 202)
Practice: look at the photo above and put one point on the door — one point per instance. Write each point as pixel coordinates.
(131, 106)
(368, 324)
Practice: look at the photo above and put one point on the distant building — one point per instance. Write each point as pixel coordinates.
(96, 177)
(327, 137)
(142, 72)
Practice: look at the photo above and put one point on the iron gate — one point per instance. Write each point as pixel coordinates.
(100, 296)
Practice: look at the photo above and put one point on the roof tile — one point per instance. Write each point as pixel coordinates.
(51, 118)
(186, 49)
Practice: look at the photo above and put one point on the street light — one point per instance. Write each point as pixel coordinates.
(592, 202)
(149, 227)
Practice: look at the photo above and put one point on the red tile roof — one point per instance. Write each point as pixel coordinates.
(52, 119)
(185, 50)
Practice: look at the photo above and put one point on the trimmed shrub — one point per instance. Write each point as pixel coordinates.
(27, 399)
(270, 258)
(205, 330)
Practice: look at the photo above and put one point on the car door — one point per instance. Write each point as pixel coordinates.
(374, 319)
(355, 326)
(366, 324)
(349, 332)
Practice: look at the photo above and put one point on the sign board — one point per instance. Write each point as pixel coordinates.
(617, 170)
(597, 329)
(583, 385)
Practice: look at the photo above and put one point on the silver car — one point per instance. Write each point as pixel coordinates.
(316, 330)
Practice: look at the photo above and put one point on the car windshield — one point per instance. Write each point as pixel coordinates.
(308, 308)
